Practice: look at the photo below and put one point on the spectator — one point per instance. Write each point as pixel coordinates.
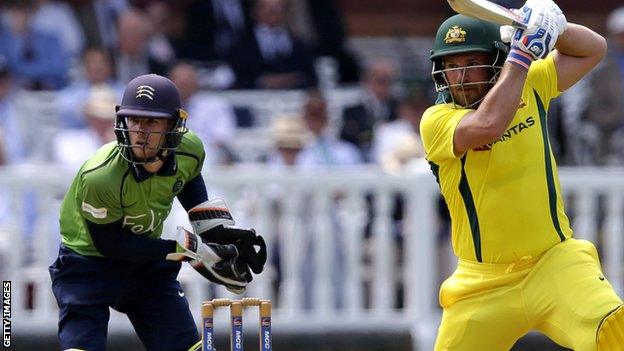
(396, 143)
(211, 118)
(378, 104)
(320, 22)
(131, 54)
(270, 57)
(289, 138)
(97, 70)
(162, 46)
(325, 150)
(99, 20)
(58, 19)
(214, 27)
(36, 59)
(605, 110)
(73, 146)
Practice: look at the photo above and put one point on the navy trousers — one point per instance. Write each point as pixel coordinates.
(148, 293)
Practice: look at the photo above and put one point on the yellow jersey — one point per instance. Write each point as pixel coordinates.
(504, 198)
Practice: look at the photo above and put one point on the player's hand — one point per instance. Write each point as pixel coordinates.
(214, 223)
(190, 246)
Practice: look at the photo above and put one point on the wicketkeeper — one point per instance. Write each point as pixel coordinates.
(111, 221)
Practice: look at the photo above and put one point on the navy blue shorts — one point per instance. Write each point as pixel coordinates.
(148, 293)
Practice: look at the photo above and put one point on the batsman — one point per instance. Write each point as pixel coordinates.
(111, 253)
(486, 139)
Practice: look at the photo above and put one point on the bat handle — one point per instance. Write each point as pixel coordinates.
(517, 24)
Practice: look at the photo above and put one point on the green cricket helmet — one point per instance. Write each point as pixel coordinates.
(462, 34)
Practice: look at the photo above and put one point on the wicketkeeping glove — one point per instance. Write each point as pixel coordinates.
(214, 223)
(218, 263)
(190, 246)
(231, 273)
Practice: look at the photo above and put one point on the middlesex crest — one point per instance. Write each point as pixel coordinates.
(455, 34)
(145, 91)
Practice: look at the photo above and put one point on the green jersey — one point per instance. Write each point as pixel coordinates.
(108, 188)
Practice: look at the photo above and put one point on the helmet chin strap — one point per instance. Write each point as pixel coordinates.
(162, 155)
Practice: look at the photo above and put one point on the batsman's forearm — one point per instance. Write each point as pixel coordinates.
(580, 41)
(501, 103)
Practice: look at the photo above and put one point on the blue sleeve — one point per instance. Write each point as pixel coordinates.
(193, 193)
(112, 241)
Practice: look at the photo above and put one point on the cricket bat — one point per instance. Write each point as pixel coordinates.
(487, 11)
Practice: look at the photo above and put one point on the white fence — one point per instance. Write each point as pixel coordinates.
(330, 273)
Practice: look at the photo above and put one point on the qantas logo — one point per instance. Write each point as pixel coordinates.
(510, 133)
(145, 91)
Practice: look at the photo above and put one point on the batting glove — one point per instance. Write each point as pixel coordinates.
(550, 7)
(536, 41)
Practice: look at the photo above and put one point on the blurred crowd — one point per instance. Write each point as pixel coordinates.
(85, 51)
(590, 116)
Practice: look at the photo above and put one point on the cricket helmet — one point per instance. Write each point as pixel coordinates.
(463, 34)
(150, 96)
